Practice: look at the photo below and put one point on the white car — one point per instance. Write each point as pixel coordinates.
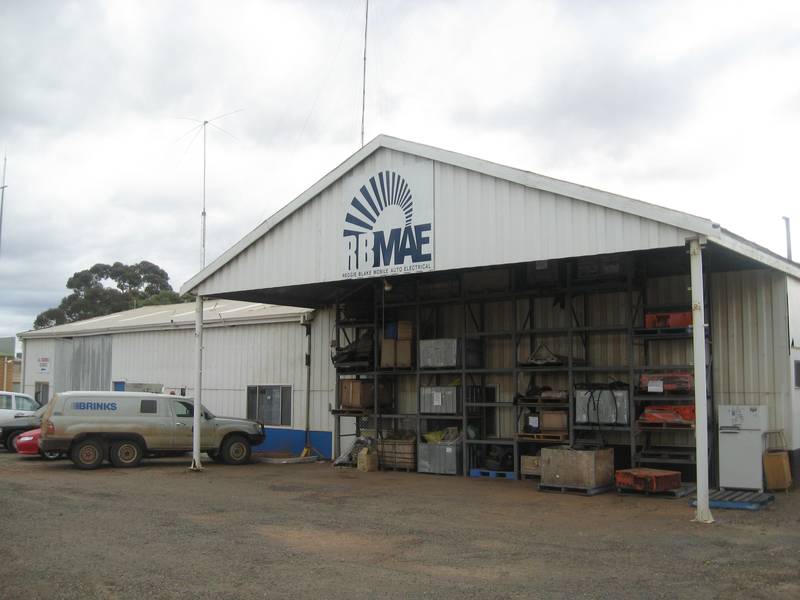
(17, 405)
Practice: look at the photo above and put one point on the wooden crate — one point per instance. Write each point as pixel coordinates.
(530, 465)
(398, 454)
(565, 467)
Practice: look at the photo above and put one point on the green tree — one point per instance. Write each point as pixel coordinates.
(140, 284)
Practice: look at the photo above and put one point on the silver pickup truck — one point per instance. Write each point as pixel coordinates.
(124, 427)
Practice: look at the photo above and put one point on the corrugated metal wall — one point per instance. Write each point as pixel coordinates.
(479, 220)
(235, 357)
(793, 286)
(751, 342)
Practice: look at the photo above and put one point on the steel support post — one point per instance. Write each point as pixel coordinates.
(703, 514)
(198, 383)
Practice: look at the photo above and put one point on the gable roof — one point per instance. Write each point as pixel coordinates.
(173, 316)
(704, 228)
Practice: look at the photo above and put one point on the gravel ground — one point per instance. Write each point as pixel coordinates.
(310, 531)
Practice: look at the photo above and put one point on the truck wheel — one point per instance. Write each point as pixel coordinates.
(87, 454)
(12, 437)
(126, 454)
(236, 450)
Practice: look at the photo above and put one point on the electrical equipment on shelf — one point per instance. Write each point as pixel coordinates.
(602, 404)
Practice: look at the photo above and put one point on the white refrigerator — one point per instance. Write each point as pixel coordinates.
(741, 446)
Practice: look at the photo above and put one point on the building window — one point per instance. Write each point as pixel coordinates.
(797, 373)
(270, 404)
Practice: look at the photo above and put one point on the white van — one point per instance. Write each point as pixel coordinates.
(123, 427)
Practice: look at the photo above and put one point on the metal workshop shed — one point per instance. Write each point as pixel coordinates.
(462, 248)
(251, 349)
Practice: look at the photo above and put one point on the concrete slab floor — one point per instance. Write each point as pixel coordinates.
(310, 531)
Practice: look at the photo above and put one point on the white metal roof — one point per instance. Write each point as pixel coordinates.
(680, 223)
(174, 316)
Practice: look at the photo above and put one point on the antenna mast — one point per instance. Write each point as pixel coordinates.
(364, 73)
(2, 197)
(203, 214)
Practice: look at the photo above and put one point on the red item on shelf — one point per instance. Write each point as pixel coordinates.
(668, 413)
(668, 320)
(669, 383)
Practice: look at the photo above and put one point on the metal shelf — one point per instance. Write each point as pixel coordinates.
(601, 428)
(665, 399)
(497, 442)
(490, 404)
(430, 416)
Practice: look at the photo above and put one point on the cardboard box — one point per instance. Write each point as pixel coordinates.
(388, 353)
(367, 460)
(776, 470)
(358, 393)
(552, 420)
(403, 353)
(405, 330)
(530, 465)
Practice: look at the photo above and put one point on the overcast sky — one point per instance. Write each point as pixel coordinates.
(695, 106)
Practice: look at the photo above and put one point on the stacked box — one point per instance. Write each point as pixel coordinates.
(359, 394)
(553, 420)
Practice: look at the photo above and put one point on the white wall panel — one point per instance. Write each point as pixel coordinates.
(479, 220)
(793, 288)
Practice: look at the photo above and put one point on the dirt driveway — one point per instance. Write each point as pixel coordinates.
(309, 531)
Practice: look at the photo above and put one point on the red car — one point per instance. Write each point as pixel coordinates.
(27, 443)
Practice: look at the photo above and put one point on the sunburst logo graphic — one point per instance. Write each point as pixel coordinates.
(380, 233)
(387, 189)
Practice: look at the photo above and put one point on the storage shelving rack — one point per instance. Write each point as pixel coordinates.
(415, 303)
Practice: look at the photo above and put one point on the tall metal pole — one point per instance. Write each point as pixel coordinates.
(364, 74)
(198, 383)
(3, 196)
(703, 514)
(788, 235)
(203, 214)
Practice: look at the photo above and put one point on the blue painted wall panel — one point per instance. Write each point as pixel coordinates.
(294, 440)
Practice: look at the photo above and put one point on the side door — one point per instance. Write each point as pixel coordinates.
(183, 415)
(184, 425)
(24, 405)
(6, 406)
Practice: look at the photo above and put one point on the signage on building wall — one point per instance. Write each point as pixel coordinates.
(44, 366)
(388, 224)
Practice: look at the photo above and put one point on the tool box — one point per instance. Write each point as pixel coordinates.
(648, 480)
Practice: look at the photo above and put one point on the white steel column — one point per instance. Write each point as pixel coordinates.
(703, 514)
(198, 383)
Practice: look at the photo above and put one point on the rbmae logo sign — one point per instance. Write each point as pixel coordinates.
(388, 223)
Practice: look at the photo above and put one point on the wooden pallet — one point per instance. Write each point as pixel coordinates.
(398, 467)
(492, 474)
(737, 499)
(681, 492)
(568, 489)
(552, 436)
